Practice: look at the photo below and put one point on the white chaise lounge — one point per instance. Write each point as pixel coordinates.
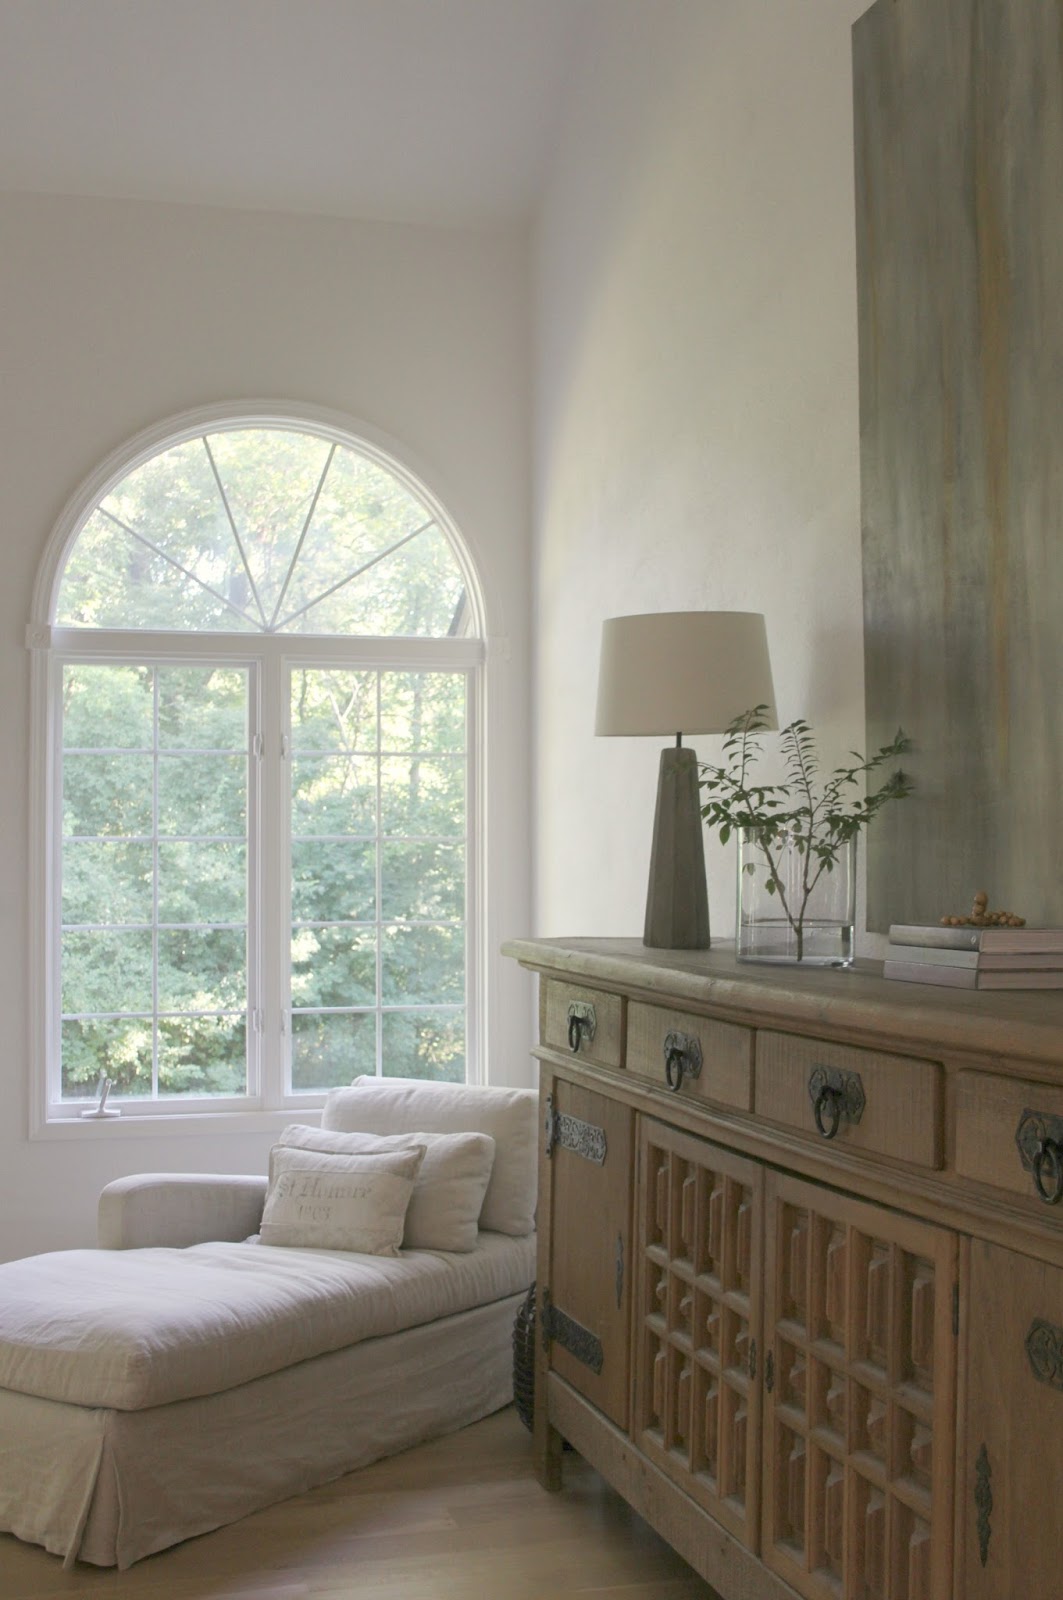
(184, 1375)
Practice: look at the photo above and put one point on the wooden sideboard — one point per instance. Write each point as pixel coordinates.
(800, 1298)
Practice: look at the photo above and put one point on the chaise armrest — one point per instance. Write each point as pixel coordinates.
(178, 1209)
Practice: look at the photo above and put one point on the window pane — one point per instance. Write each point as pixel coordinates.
(107, 794)
(106, 881)
(333, 880)
(333, 710)
(422, 965)
(423, 796)
(330, 1050)
(202, 881)
(202, 708)
(269, 476)
(333, 966)
(334, 794)
(422, 711)
(120, 1047)
(203, 1055)
(416, 592)
(113, 580)
(362, 512)
(201, 969)
(424, 1044)
(107, 707)
(103, 971)
(202, 795)
(422, 882)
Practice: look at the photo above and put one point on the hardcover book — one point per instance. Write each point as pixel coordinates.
(983, 960)
(973, 977)
(969, 938)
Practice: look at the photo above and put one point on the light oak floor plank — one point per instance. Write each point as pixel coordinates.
(461, 1518)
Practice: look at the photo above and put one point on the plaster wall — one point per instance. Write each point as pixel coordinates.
(696, 417)
(115, 315)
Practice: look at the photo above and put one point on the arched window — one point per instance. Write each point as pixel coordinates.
(262, 705)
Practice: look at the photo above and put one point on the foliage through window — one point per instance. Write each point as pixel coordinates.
(262, 821)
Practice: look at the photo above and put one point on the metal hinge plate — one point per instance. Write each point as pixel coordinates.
(572, 1133)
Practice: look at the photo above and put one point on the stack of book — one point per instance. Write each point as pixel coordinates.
(969, 957)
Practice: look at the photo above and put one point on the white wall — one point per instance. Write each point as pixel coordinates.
(697, 403)
(115, 315)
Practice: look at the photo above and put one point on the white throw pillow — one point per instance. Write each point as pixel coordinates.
(410, 1105)
(444, 1209)
(332, 1202)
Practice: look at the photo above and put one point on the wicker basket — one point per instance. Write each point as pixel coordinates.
(524, 1359)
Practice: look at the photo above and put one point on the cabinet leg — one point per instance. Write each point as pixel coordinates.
(548, 1448)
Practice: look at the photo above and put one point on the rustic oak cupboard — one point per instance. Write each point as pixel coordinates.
(801, 1268)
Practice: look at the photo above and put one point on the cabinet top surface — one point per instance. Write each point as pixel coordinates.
(856, 1002)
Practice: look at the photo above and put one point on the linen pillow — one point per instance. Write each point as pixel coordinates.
(444, 1209)
(334, 1202)
(411, 1105)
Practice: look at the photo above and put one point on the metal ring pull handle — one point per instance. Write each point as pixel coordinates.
(581, 1024)
(682, 1058)
(1048, 1164)
(837, 1096)
(827, 1110)
(675, 1065)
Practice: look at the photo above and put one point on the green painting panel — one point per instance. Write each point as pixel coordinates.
(959, 150)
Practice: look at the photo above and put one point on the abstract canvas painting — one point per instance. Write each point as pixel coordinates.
(959, 198)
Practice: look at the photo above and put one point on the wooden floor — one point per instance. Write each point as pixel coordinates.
(461, 1518)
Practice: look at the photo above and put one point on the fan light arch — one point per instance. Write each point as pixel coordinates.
(267, 528)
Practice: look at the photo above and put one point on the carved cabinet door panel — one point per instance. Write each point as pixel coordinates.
(860, 1389)
(1011, 1477)
(697, 1321)
(586, 1301)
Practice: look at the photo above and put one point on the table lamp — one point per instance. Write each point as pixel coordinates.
(680, 672)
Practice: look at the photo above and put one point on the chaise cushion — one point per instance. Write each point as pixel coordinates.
(135, 1328)
(410, 1105)
(448, 1192)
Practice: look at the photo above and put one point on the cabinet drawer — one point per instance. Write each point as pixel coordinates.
(887, 1105)
(581, 1021)
(1001, 1126)
(726, 1072)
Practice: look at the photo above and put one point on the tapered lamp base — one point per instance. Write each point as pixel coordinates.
(677, 902)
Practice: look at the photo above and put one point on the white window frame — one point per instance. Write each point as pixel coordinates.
(269, 659)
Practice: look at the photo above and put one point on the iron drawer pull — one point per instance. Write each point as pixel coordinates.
(674, 1066)
(682, 1058)
(827, 1110)
(581, 1023)
(1048, 1161)
(836, 1097)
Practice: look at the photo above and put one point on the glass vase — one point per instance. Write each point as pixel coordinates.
(789, 909)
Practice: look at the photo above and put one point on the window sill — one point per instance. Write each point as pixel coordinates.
(176, 1124)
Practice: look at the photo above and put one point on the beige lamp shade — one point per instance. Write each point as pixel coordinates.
(682, 672)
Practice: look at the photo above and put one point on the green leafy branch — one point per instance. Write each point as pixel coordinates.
(813, 816)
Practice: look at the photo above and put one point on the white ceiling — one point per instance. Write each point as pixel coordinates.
(411, 110)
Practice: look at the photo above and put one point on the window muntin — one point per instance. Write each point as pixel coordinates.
(154, 879)
(379, 827)
(267, 530)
